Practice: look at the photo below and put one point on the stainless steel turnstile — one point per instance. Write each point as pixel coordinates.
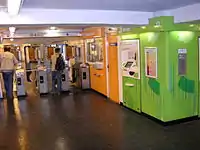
(20, 84)
(84, 77)
(42, 82)
(65, 80)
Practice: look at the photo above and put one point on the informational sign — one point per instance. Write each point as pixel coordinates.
(113, 44)
(182, 61)
(151, 62)
(130, 52)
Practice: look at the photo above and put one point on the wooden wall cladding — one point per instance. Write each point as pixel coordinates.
(50, 52)
(69, 53)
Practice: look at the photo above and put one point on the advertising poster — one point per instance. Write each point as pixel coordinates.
(130, 53)
(151, 62)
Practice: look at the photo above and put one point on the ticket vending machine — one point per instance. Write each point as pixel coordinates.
(20, 84)
(131, 84)
(42, 81)
(65, 80)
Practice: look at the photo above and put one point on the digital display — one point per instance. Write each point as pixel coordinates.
(63, 77)
(84, 76)
(182, 58)
(128, 64)
(41, 79)
(19, 81)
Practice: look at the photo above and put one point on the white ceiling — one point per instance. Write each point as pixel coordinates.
(3, 3)
(134, 5)
(40, 40)
(40, 30)
(35, 34)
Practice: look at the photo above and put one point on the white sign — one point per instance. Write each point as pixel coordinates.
(130, 51)
(182, 51)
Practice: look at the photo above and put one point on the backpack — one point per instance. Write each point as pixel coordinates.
(60, 64)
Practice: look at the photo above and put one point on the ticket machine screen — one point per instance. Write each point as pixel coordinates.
(128, 64)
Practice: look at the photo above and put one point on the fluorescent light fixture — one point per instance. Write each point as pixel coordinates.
(156, 26)
(12, 29)
(14, 7)
(52, 28)
(97, 36)
(50, 33)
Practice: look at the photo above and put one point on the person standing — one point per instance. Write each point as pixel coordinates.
(58, 65)
(8, 62)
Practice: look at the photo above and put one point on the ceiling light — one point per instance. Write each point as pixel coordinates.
(12, 29)
(97, 36)
(14, 7)
(11, 39)
(52, 33)
(156, 26)
(52, 28)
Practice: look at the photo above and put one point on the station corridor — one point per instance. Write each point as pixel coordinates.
(87, 121)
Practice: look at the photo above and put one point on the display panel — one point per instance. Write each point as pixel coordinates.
(130, 52)
(128, 64)
(182, 61)
(151, 62)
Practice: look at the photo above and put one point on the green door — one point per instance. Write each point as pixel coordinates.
(131, 93)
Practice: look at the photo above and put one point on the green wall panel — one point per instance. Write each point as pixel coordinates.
(152, 90)
(181, 97)
(131, 95)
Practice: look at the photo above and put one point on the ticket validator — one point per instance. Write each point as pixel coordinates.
(20, 82)
(65, 80)
(42, 81)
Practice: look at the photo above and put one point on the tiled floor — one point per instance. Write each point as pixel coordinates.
(87, 121)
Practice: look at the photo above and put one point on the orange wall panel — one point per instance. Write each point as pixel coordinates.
(97, 77)
(113, 68)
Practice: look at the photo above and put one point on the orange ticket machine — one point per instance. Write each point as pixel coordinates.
(95, 55)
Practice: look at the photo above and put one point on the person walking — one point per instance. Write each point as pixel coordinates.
(58, 65)
(8, 62)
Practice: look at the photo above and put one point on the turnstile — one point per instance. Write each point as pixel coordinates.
(20, 84)
(84, 77)
(65, 80)
(42, 81)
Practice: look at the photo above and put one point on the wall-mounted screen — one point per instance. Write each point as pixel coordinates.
(182, 61)
(128, 64)
(151, 62)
